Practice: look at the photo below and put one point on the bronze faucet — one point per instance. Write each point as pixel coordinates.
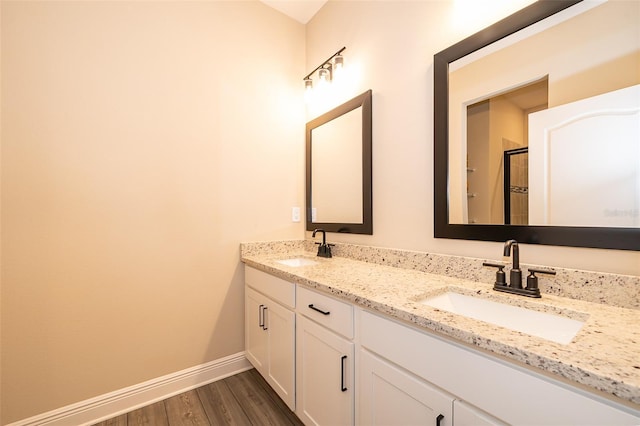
(515, 284)
(324, 249)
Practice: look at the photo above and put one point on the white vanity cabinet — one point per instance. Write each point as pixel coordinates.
(393, 394)
(504, 392)
(325, 360)
(305, 344)
(390, 395)
(270, 331)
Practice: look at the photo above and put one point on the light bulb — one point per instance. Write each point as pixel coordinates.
(308, 89)
(338, 67)
(338, 62)
(323, 74)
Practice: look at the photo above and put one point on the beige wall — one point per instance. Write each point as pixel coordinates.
(392, 44)
(141, 143)
(489, 123)
(506, 122)
(478, 176)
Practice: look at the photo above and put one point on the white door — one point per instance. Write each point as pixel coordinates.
(325, 385)
(584, 162)
(390, 395)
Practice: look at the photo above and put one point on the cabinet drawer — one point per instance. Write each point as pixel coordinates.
(327, 311)
(276, 288)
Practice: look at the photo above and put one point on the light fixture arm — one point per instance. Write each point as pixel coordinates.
(328, 61)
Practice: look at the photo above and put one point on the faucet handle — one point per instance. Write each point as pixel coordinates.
(541, 271)
(501, 278)
(532, 280)
(324, 244)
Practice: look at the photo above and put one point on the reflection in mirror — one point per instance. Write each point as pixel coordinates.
(585, 162)
(339, 168)
(580, 51)
(497, 155)
(336, 179)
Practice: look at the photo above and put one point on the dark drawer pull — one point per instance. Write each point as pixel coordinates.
(343, 388)
(261, 316)
(264, 318)
(319, 310)
(439, 419)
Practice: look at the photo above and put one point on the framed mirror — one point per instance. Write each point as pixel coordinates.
(338, 175)
(592, 61)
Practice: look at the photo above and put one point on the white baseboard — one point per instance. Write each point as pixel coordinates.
(124, 400)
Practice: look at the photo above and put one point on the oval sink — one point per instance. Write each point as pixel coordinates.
(541, 324)
(298, 261)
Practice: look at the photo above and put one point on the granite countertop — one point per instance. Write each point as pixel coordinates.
(604, 355)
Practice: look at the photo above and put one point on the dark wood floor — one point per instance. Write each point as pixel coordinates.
(243, 399)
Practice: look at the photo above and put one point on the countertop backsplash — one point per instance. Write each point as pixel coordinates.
(598, 287)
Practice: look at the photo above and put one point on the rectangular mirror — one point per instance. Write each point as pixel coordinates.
(338, 161)
(564, 167)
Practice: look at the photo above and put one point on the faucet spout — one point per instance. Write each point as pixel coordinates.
(324, 235)
(516, 252)
(516, 273)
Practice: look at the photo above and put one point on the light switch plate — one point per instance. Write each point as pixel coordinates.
(295, 214)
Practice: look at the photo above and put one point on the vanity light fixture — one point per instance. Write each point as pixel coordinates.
(326, 69)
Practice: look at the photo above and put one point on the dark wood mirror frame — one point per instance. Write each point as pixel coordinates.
(366, 227)
(595, 237)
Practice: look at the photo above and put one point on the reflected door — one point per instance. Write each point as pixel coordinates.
(568, 184)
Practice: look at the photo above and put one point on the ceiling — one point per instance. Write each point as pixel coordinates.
(300, 10)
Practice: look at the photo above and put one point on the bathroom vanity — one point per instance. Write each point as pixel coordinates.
(368, 351)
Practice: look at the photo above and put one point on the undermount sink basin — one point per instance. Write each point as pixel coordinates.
(541, 324)
(298, 261)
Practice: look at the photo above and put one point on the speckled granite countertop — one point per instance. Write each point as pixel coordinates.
(604, 355)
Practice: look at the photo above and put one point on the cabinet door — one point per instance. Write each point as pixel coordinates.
(279, 323)
(325, 385)
(256, 338)
(270, 343)
(467, 415)
(390, 395)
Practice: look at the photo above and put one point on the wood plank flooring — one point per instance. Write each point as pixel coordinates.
(243, 399)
